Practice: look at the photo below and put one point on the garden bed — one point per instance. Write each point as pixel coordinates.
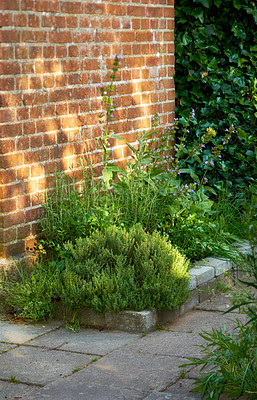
(203, 278)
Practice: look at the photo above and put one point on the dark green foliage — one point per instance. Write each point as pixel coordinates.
(70, 213)
(230, 360)
(33, 295)
(216, 69)
(232, 363)
(109, 271)
(129, 270)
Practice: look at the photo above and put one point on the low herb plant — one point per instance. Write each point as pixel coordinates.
(110, 271)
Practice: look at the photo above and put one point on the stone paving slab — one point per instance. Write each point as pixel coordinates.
(175, 344)
(167, 396)
(83, 391)
(9, 391)
(6, 346)
(220, 303)
(90, 341)
(196, 320)
(39, 366)
(127, 370)
(22, 333)
(202, 274)
(183, 388)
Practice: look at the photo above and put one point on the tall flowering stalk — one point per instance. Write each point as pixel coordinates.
(105, 118)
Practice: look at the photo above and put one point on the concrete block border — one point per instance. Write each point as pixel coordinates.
(203, 275)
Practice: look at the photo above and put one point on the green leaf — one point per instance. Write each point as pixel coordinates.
(237, 4)
(131, 147)
(198, 13)
(217, 2)
(211, 190)
(185, 171)
(117, 137)
(205, 3)
(186, 39)
(195, 177)
(107, 175)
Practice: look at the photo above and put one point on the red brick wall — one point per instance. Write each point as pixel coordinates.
(53, 55)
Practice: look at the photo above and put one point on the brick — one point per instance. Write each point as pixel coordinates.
(144, 36)
(37, 170)
(23, 172)
(102, 37)
(21, 52)
(23, 232)
(7, 115)
(72, 21)
(47, 5)
(73, 51)
(169, 12)
(94, 8)
(35, 52)
(36, 141)
(33, 21)
(5, 19)
(36, 156)
(71, 7)
(27, 68)
(168, 36)
(8, 235)
(154, 12)
(60, 37)
(7, 146)
(14, 249)
(48, 52)
(10, 100)
(49, 111)
(22, 143)
(6, 52)
(28, 128)
(49, 139)
(11, 191)
(47, 125)
(84, 21)
(153, 61)
(36, 112)
(48, 82)
(9, 36)
(136, 11)
(27, 5)
(10, 130)
(60, 95)
(135, 62)
(7, 206)
(35, 98)
(9, 68)
(35, 82)
(127, 36)
(34, 36)
(10, 4)
(48, 21)
(7, 176)
(59, 21)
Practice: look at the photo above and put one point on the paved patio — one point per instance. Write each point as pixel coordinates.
(47, 361)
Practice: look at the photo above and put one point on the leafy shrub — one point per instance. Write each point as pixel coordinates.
(216, 49)
(113, 271)
(131, 269)
(70, 213)
(33, 295)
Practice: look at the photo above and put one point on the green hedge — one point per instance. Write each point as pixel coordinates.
(216, 65)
